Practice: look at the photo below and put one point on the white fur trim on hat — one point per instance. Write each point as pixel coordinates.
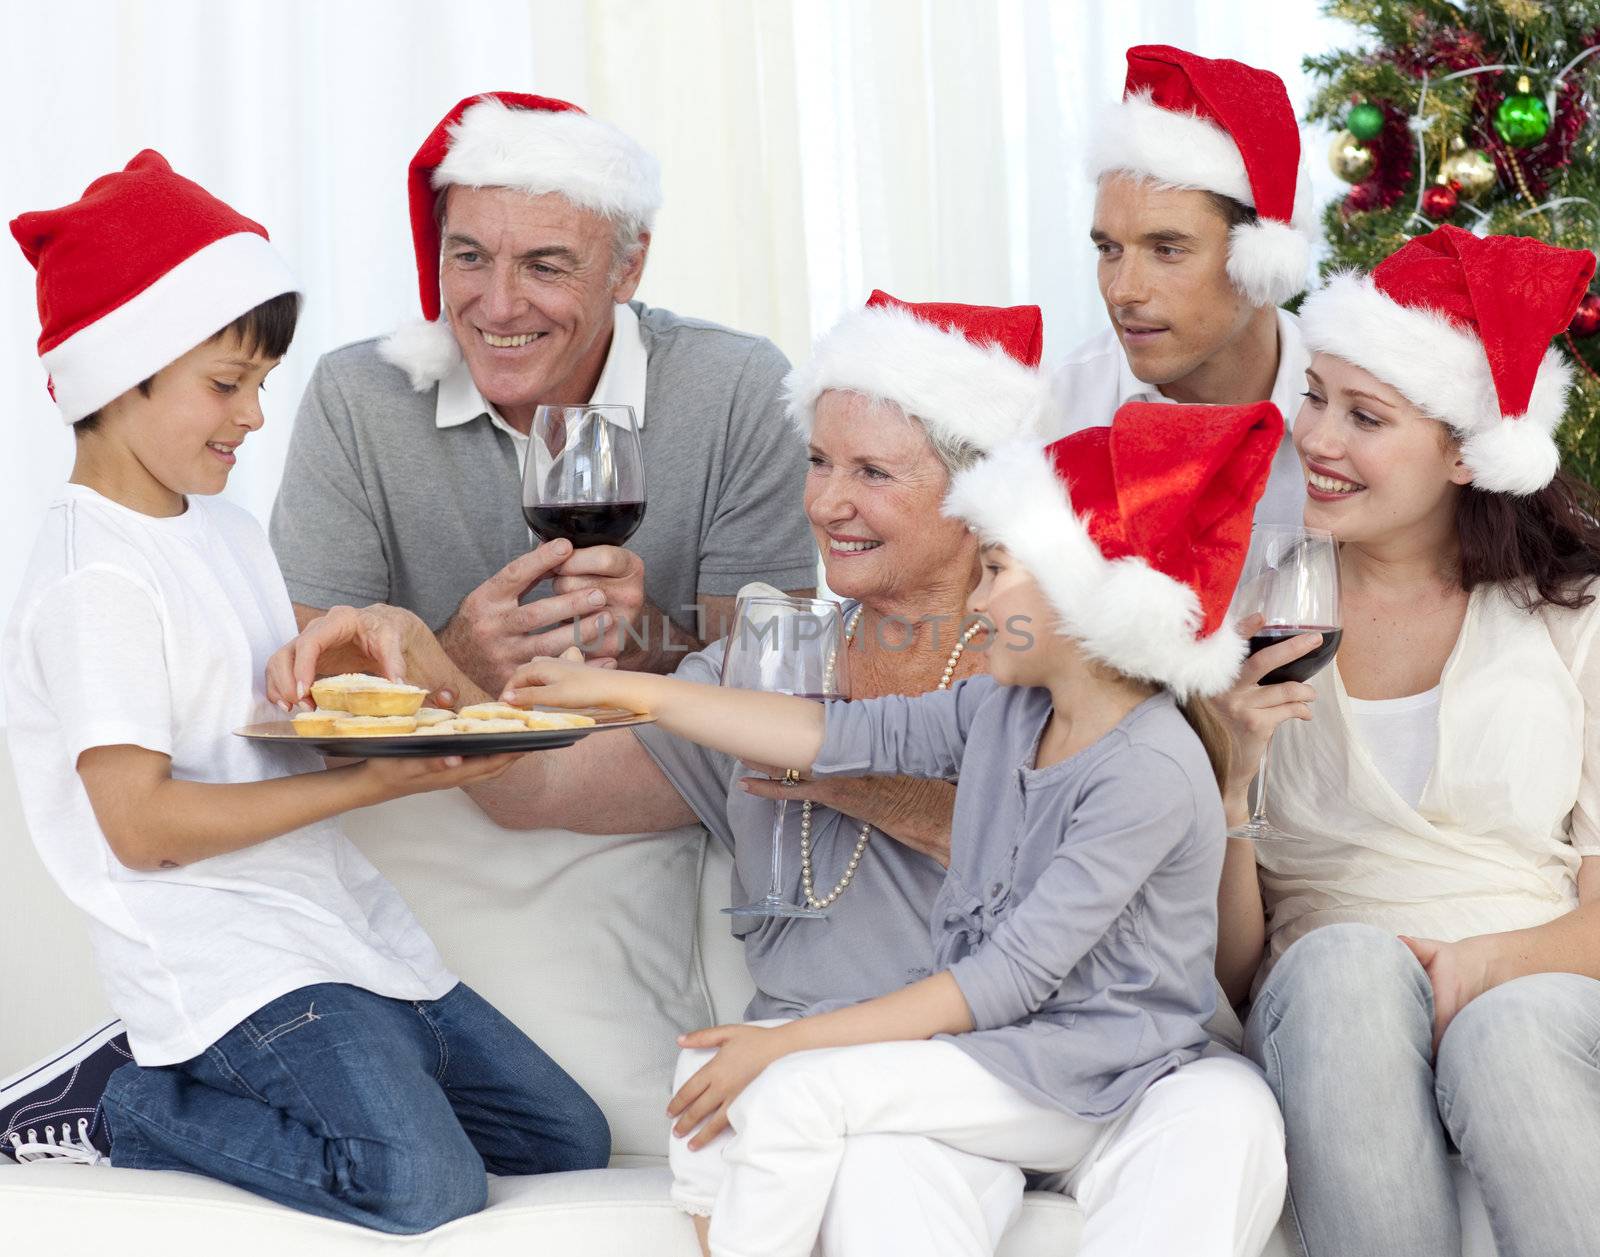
(1268, 261)
(590, 162)
(426, 352)
(1183, 149)
(959, 390)
(1122, 612)
(187, 306)
(1441, 368)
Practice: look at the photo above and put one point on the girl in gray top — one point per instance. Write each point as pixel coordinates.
(1076, 928)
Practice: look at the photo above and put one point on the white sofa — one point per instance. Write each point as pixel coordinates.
(602, 949)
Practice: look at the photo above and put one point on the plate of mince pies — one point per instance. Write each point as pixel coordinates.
(362, 717)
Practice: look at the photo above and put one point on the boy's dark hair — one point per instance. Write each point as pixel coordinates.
(266, 330)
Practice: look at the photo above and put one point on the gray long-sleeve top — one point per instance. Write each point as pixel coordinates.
(1079, 913)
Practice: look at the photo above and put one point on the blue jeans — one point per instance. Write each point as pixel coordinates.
(1343, 1028)
(347, 1105)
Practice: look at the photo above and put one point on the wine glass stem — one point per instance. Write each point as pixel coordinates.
(775, 890)
(1258, 814)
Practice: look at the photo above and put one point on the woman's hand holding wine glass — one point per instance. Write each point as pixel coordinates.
(1288, 605)
(1253, 711)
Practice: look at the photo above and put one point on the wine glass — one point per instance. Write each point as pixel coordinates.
(584, 475)
(785, 646)
(1291, 580)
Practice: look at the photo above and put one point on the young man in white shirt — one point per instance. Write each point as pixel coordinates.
(1203, 225)
(293, 1030)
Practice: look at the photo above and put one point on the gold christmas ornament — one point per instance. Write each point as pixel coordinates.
(1349, 158)
(1471, 170)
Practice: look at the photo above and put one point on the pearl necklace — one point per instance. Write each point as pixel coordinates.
(806, 885)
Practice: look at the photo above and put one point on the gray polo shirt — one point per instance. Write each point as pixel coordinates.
(875, 937)
(380, 504)
(1079, 914)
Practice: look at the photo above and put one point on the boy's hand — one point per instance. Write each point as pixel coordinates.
(565, 682)
(744, 1051)
(396, 778)
(382, 633)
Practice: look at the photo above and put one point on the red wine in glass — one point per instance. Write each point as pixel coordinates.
(585, 524)
(1305, 667)
(1290, 581)
(583, 478)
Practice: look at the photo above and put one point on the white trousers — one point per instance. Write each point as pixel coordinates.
(913, 1148)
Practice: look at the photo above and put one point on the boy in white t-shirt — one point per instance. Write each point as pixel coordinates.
(295, 1032)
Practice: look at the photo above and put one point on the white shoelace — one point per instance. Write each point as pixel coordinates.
(75, 1151)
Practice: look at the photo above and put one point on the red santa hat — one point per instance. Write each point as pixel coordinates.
(1461, 326)
(1135, 532)
(969, 373)
(534, 144)
(134, 274)
(1219, 126)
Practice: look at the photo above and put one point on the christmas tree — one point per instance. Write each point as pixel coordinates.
(1480, 113)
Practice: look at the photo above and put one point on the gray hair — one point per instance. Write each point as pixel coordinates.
(956, 455)
(626, 244)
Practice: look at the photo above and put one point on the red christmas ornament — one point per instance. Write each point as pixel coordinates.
(1586, 319)
(1362, 197)
(1439, 201)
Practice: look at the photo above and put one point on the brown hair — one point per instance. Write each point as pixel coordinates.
(266, 329)
(1213, 735)
(1545, 545)
(1236, 213)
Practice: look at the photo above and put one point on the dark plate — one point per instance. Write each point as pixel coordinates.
(422, 744)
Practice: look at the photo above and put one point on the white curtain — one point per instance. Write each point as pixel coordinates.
(812, 150)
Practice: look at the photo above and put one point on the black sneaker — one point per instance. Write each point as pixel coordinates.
(51, 1111)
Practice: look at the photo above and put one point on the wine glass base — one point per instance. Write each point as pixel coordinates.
(1255, 831)
(772, 906)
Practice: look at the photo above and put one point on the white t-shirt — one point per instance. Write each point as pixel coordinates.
(1402, 736)
(1096, 379)
(154, 632)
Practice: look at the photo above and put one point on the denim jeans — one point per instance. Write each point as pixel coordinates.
(1343, 1028)
(348, 1105)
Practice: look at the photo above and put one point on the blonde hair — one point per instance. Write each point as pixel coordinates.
(1213, 735)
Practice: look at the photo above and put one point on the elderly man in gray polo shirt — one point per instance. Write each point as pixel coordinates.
(532, 224)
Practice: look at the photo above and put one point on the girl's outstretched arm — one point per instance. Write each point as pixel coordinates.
(763, 728)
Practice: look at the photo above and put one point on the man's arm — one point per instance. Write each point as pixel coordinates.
(327, 541)
(758, 528)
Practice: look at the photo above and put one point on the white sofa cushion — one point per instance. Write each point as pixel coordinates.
(621, 1210)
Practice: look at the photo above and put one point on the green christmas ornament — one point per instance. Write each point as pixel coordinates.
(1364, 122)
(1522, 119)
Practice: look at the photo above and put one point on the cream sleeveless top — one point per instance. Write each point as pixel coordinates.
(1510, 806)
